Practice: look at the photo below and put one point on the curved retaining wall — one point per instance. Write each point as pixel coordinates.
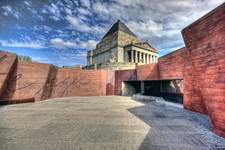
(204, 75)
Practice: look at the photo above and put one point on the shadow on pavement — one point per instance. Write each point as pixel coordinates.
(175, 128)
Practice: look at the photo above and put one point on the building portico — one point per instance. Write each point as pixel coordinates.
(135, 54)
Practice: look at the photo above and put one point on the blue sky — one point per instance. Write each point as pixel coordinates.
(61, 31)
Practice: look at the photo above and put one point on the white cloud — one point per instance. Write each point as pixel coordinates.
(76, 44)
(27, 3)
(86, 3)
(39, 58)
(33, 11)
(61, 44)
(22, 44)
(7, 8)
(81, 54)
(144, 28)
(53, 11)
(83, 11)
(90, 44)
(68, 11)
(79, 25)
(9, 11)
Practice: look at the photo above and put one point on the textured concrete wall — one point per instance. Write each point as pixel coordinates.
(171, 66)
(76, 82)
(148, 72)
(123, 75)
(41, 81)
(204, 75)
(8, 63)
(27, 81)
(110, 82)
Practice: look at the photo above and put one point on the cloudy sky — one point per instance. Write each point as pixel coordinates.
(61, 31)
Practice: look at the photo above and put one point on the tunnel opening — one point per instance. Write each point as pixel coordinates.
(130, 88)
(170, 90)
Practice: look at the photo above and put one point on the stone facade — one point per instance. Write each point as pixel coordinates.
(121, 46)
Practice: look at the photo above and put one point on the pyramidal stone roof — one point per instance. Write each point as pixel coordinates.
(119, 26)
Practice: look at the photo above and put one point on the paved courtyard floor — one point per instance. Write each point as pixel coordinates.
(103, 123)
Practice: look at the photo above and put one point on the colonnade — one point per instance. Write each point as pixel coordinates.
(140, 57)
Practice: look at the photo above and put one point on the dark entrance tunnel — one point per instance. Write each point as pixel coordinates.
(170, 90)
(130, 88)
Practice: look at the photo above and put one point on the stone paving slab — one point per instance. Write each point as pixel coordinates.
(103, 123)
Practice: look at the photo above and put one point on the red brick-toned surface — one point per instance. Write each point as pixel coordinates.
(27, 81)
(201, 65)
(123, 75)
(204, 77)
(148, 72)
(7, 64)
(41, 81)
(77, 82)
(171, 66)
(110, 82)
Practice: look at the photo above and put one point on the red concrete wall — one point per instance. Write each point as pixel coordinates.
(148, 72)
(123, 75)
(77, 82)
(35, 81)
(171, 66)
(27, 81)
(204, 76)
(8, 62)
(110, 82)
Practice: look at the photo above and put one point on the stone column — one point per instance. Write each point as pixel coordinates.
(152, 59)
(139, 57)
(132, 55)
(144, 58)
(147, 56)
(136, 56)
